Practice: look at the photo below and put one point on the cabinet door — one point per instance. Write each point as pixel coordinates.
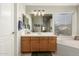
(44, 44)
(52, 44)
(25, 44)
(34, 44)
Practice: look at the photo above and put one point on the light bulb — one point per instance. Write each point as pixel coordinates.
(39, 13)
(43, 12)
(35, 12)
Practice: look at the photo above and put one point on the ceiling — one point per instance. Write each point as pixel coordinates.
(52, 4)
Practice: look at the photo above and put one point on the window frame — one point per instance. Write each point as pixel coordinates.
(71, 22)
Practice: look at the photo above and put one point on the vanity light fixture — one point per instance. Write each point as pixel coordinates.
(35, 12)
(38, 12)
(43, 12)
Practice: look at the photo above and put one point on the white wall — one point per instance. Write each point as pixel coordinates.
(57, 9)
(78, 20)
(20, 11)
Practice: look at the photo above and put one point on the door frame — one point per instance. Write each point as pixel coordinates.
(15, 30)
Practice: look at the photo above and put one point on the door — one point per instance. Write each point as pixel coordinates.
(52, 44)
(6, 29)
(44, 43)
(35, 44)
(25, 44)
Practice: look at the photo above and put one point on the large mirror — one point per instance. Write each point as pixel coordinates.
(40, 23)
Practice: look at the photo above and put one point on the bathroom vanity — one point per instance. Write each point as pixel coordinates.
(38, 34)
(38, 43)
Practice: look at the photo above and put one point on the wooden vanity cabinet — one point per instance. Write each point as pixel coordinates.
(25, 44)
(35, 44)
(52, 44)
(44, 44)
(38, 44)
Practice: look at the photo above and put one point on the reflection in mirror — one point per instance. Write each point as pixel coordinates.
(38, 23)
(42, 23)
(26, 22)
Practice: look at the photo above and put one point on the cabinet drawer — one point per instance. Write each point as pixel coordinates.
(25, 44)
(44, 44)
(52, 44)
(34, 44)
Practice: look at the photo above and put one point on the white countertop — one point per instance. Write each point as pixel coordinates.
(38, 34)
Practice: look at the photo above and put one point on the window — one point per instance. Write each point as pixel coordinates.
(63, 24)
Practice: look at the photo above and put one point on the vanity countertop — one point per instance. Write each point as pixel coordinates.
(39, 34)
